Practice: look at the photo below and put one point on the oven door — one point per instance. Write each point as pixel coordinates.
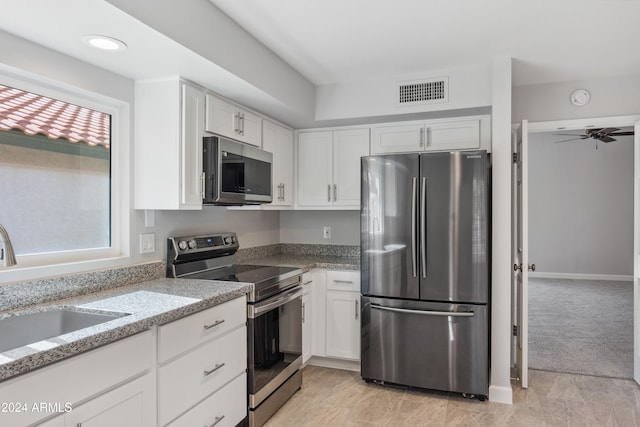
(274, 343)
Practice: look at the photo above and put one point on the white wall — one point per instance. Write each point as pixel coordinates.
(307, 227)
(581, 205)
(469, 87)
(616, 96)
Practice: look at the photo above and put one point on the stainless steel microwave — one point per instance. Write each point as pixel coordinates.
(234, 173)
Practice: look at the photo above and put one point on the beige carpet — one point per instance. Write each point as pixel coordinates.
(581, 326)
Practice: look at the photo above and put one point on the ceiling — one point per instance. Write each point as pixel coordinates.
(332, 41)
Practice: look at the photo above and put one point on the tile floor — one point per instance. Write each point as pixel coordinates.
(332, 397)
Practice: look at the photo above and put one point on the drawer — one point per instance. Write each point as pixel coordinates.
(177, 337)
(225, 408)
(338, 280)
(194, 376)
(77, 378)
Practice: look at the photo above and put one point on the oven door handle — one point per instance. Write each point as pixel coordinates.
(262, 307)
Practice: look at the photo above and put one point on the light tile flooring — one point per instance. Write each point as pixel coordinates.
(332, 397)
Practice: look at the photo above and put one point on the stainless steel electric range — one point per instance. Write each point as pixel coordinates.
(274, 315)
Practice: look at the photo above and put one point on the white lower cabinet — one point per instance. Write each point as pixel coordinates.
(207, 365)
(343, 314)
(307, 315)
(336, 314)
(126, 405)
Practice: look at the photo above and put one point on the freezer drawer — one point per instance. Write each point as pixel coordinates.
(437, 346)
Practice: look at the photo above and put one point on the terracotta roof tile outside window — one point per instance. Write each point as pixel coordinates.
(35, 114)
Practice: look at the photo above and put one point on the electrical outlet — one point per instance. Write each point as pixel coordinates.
(327, 232)
(147, 243)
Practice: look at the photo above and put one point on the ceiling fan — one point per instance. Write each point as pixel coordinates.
(602, 134)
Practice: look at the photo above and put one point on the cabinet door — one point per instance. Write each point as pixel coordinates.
(397, 139)
(191, 147)
(314, 168)
(129, 405)
(250, 128)
(278, 140)
(454, 135)
(343, 324)
(221, 117)
(348, 147)
(319, 312)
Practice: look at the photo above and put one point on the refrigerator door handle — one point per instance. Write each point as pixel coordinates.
(423, 227)
(414, 198)
(425, 313)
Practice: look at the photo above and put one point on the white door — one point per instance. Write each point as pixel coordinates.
(636, 252)
(348, 147)
(519, 251)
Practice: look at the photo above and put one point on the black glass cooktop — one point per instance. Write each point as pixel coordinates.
(247, 273)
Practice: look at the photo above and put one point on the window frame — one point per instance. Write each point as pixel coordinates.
(72, 261)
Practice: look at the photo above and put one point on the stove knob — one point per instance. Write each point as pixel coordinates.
(182, 245)
(192, 244)
(228, 240)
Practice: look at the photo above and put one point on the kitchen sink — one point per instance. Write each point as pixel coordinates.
(21, 330)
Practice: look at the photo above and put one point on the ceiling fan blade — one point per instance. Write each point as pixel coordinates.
(607, 131)
(621, 133)
(573, 134)
(567, 140)
(605, 138)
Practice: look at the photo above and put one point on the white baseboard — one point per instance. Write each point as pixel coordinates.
(500, 394)
(328, 362)
(577, 276)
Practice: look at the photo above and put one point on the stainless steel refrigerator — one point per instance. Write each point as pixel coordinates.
(425, 260)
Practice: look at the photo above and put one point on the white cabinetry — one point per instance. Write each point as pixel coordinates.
(86, 378)
(329, 167)
(432, 135)
(343, 314)
(307, 316)
(278, 140)
(201, 357)
(123, 406)
(228, 119)
(168, 145)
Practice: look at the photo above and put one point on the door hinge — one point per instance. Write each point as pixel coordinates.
(514, 156)
(515, 330)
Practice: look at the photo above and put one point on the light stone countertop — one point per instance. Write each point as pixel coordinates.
(308, 262)
(149, 303)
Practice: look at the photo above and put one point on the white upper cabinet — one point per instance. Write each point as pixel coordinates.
(227, 119)
(278, 140)
(168, 145)
(434, 135)
(329, 167)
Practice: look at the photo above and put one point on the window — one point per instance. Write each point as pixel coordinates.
(57, 175)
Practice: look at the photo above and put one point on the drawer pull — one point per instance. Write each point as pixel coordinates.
(219, 322)
(307, 283)
(349, 282)
(216, 421)
(207, 373)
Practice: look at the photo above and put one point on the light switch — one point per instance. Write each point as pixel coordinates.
(147, 243)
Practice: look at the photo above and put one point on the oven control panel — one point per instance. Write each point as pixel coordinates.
(210, 242)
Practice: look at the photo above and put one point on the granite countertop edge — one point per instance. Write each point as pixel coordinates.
(172, 300)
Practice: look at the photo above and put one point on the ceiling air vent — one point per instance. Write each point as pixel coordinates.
(417, 92)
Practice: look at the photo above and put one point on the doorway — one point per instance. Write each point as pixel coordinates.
(571, 267)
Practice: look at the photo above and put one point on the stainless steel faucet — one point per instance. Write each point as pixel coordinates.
(7, 255)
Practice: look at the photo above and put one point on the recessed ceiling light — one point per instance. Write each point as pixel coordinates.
(104, 42)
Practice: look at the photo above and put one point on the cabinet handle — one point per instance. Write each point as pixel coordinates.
(421, 137)
(218, 366)
(329, 193)
(214, 324)
(350, 282)
(306, 283)
(202, 183)
(356, 309)
(335, 192)
(242, 124)
(283, 192)
(237, 117)
(216, 421)
(303, 312)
